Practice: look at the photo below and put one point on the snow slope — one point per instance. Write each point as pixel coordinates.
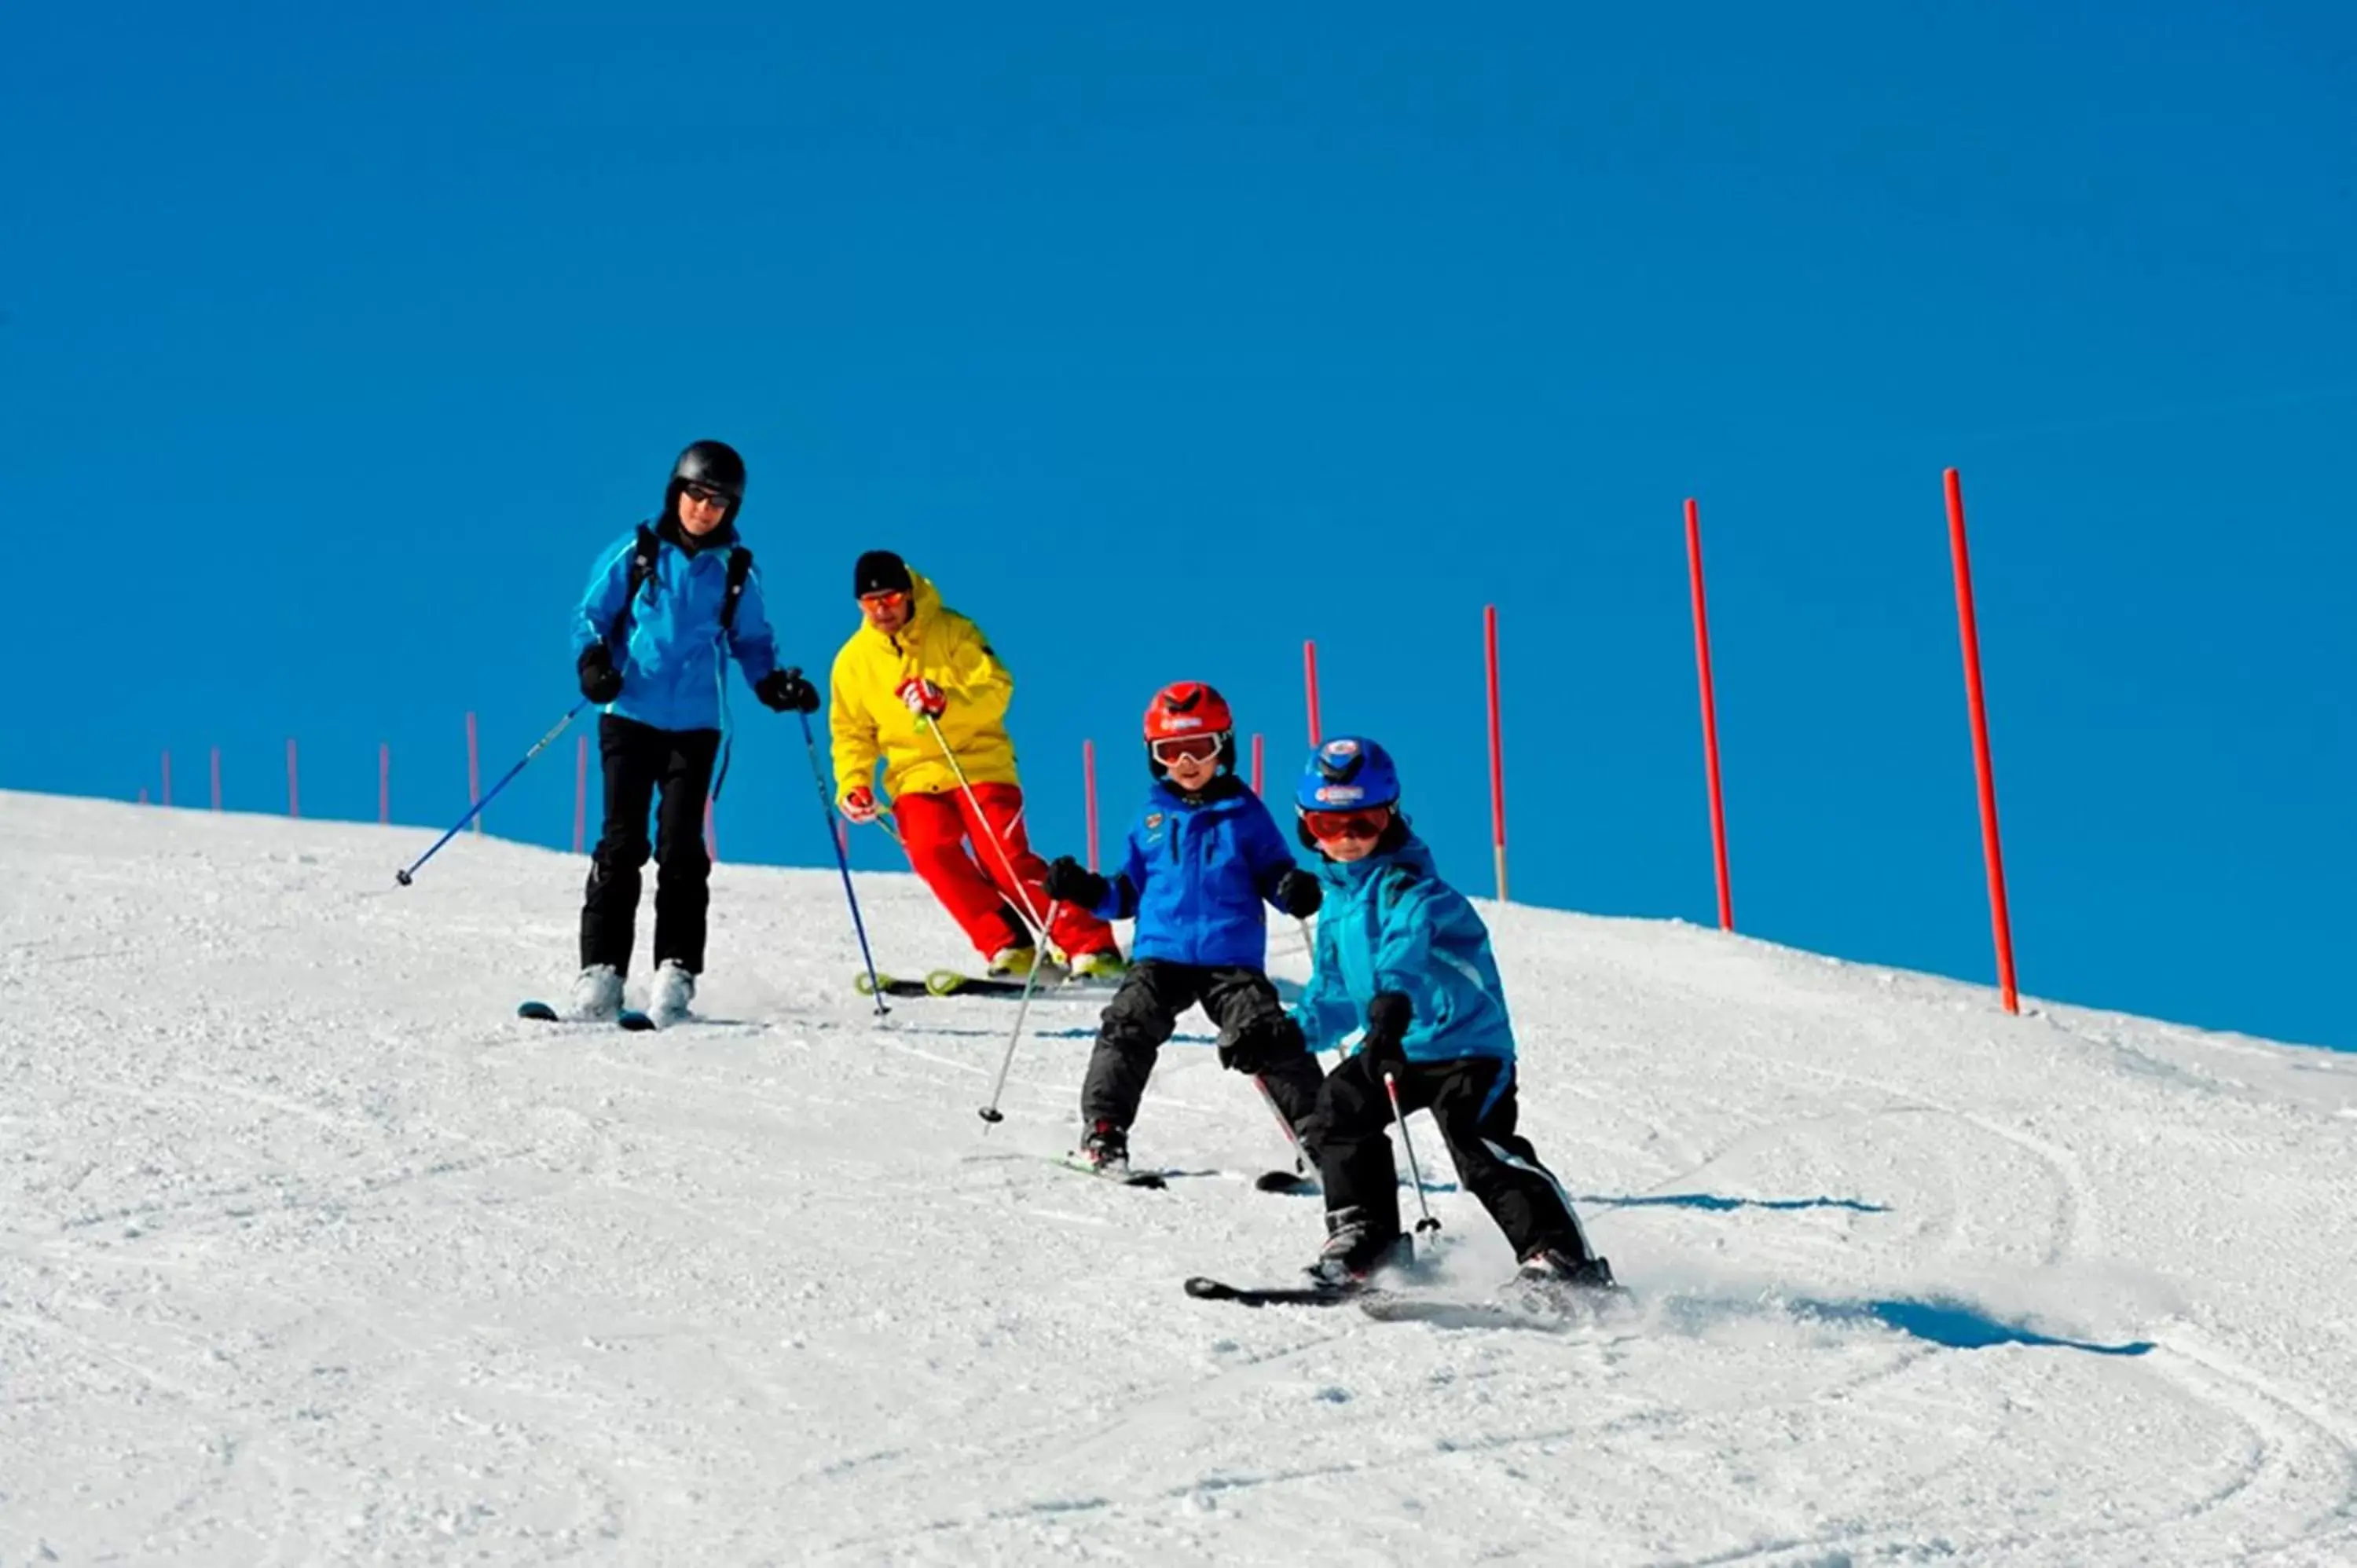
(310, 1252)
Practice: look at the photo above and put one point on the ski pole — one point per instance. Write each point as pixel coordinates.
(475, 811)
(1006, 861)
(1390, 1085)
(1300, 1160)
(842, 862)
(991, 1115)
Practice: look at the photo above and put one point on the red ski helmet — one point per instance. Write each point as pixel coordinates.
(1185, 710)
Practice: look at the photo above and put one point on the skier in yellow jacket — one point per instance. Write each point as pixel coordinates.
(914, 685)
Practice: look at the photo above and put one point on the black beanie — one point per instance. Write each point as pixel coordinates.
(880, 572)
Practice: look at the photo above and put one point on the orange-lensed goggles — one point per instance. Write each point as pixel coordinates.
(889, 599)
(1367, 823)
(1186, 748)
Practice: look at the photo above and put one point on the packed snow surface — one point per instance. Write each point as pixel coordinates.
(310, 1252)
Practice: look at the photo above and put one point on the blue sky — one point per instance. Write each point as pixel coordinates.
(335, 345)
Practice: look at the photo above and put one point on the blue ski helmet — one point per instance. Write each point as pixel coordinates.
(1346, 773)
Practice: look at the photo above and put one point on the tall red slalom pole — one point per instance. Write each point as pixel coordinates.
(167, 775)
(1709, 717)
(474, 773)
(294, 795)
(216, 772)
(580, 793)
(1309, 685)
(1089, 789)
(1256, 765)
(1497, 748)
(383, 783)
(1968, 629)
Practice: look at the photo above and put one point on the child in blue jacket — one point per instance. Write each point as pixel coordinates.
(1204, 858)
(1405, 963)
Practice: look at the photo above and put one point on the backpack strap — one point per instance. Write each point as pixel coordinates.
(643, 572)
(740, 566)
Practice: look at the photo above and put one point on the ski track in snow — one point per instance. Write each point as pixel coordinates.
(310, 1252)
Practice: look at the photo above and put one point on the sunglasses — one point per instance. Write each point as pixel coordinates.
(709, 495)
(890, 599)
(1187, 748)
(1368, 822)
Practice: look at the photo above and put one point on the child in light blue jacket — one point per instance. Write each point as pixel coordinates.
(1405, 968)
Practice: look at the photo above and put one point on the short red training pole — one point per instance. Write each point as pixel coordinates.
(1709, 718)
(1088, 784)
(1309, 683)
(1967, 628)
(1497, 748)
(474, 773)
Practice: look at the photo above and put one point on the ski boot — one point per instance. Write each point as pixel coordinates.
(1553, 1281)
(1354, 1251)
(673, 992)
(597, 994)
(1105, 1151)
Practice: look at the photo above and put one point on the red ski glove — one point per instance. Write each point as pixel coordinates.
(922, 697)
(860, 805)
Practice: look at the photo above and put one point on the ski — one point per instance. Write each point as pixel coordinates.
(1153, 1181)
(1546, 1314)
(866, 986)
(542, 1013)
(950, 983)
(1288, 1182)
(1205, 1289)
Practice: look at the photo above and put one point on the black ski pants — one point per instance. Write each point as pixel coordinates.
(1472, 1099)
(640, 762)
(1256, 1036)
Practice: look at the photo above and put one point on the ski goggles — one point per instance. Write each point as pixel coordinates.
(1187, 748)
(1366, 822)
(887, 600)
(708, 494)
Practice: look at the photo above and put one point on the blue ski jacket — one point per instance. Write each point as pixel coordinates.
(1196, 877)
(1390, 923)
(673, 659)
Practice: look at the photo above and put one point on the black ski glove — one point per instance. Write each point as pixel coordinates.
(1298, 894)
(600, 682)
(1388, 1017)
(785, 692)
(1070, 882)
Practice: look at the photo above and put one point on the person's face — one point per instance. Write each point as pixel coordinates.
(1191, 773)
(1348, 836)
(701, 508)
(887, 612)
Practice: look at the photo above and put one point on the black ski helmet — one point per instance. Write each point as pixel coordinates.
(714, 463)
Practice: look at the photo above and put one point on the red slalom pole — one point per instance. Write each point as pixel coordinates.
(167, 775)
(1709, 718)
(474, 774)
(383, 783)
(294, 795)
(216, 778)
(1309, 684)
(580, 793)
(1497, 748)
(1256, 765)
(1089, 783)
(1968, 629)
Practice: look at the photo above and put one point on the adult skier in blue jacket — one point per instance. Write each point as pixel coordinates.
(665, 609)
(1404, 966)
(1205, 859)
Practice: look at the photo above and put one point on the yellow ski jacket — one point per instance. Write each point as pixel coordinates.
(871, 723)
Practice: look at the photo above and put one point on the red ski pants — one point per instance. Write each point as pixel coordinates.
(978, 885)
